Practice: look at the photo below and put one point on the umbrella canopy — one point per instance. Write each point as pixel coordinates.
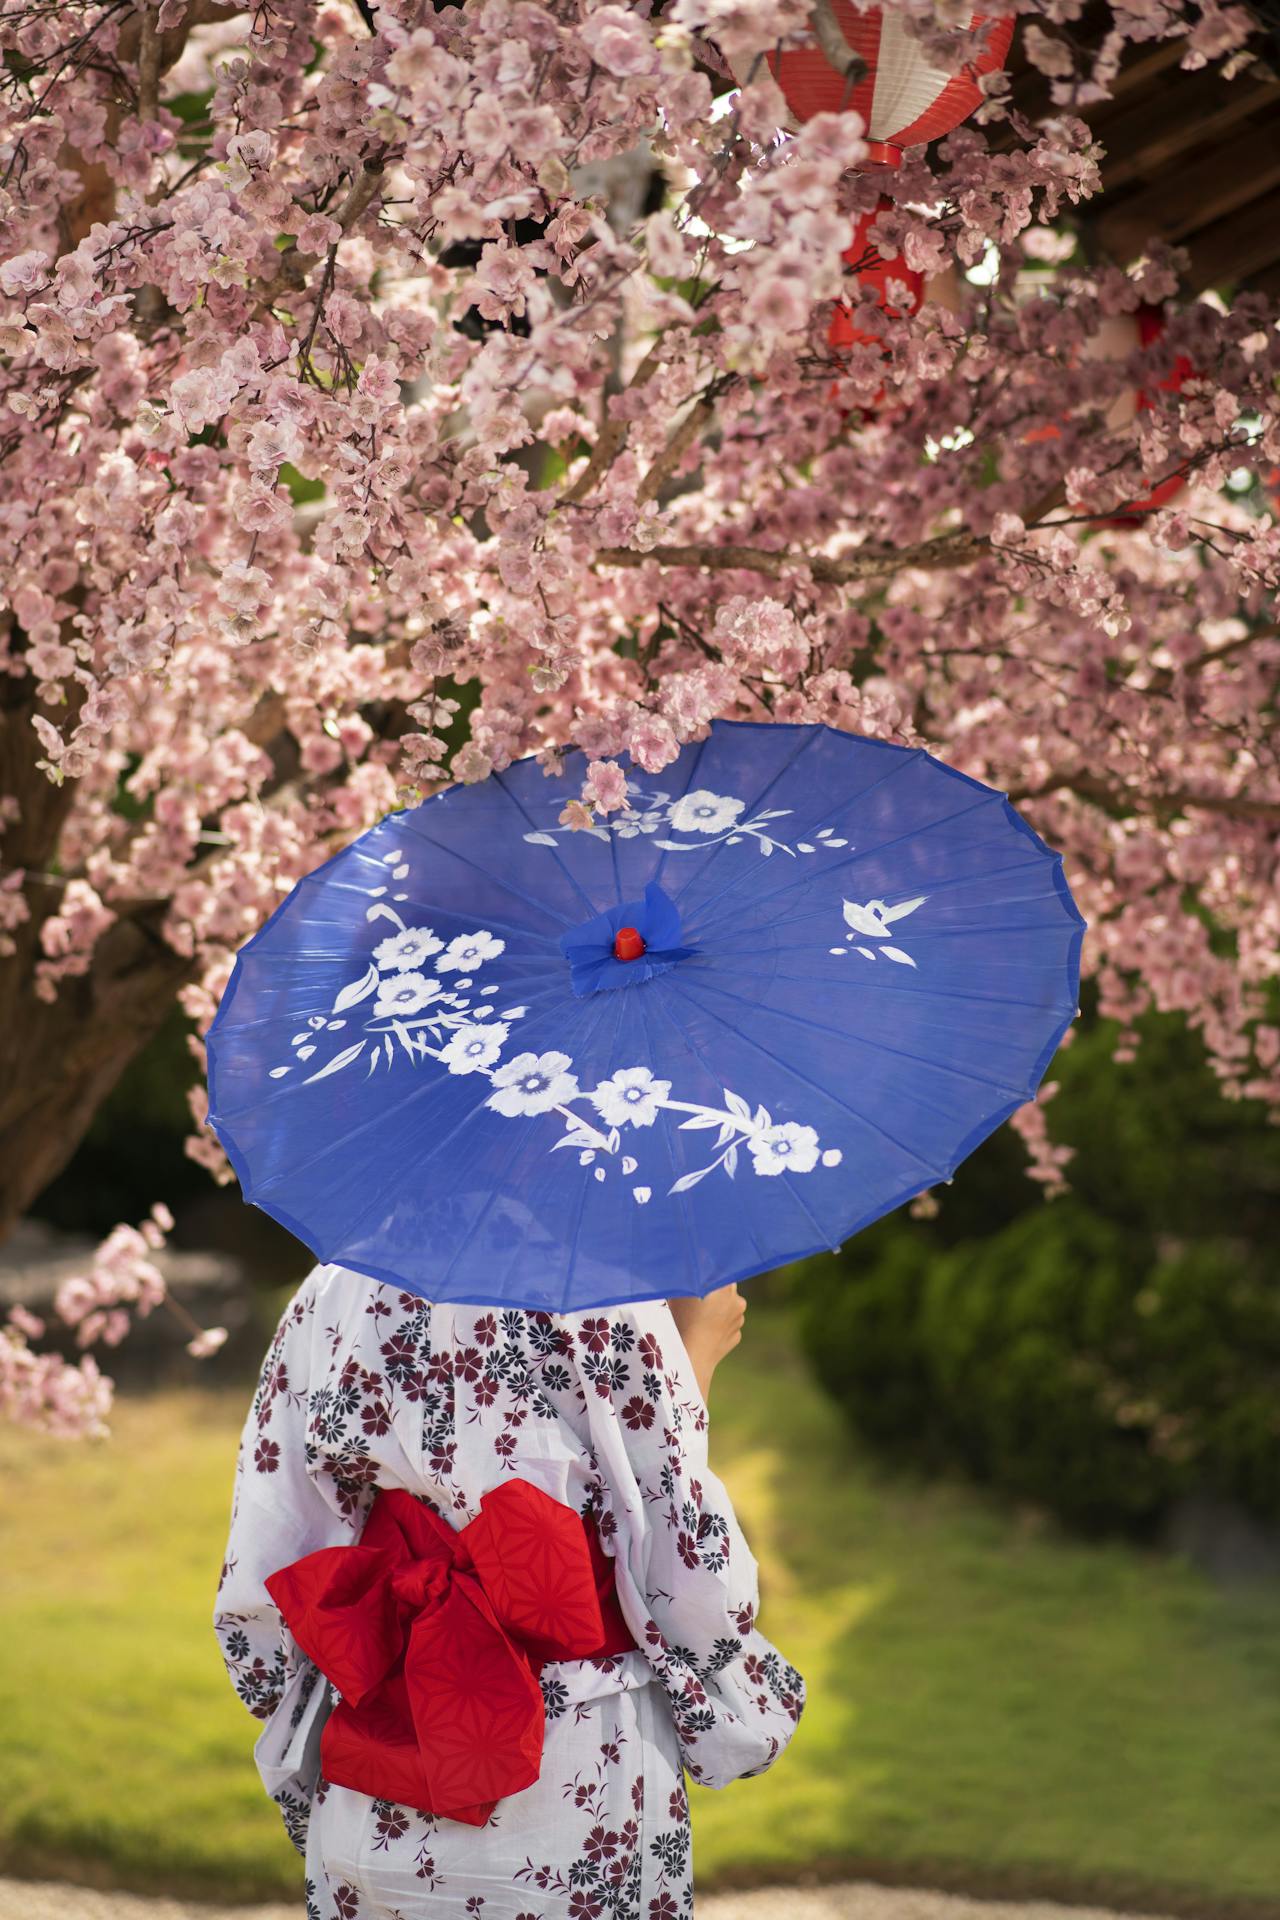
(792, 985)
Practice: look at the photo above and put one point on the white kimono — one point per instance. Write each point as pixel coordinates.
(365, 1387)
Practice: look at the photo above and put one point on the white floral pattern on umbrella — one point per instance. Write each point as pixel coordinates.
(469, 951)
(406, 993)
(427, 1020)
(474, 1049)
(532, 1083)
(631, 1097)
(705, 812)
(713, 819)
(405, 952)
(789, 1148)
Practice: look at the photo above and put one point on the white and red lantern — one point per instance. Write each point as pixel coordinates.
(1115, 339)
(887, 280)
(896, 289)
(1149, 326)
(903, 100)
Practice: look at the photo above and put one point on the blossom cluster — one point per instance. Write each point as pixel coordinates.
(388, 393)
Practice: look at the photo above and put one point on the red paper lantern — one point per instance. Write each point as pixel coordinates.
(1151, 325)
(1147, 325)
(903, 100)
(874, 274)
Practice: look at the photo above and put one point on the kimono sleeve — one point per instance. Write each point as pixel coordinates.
(278, 1514)
(686, 1578)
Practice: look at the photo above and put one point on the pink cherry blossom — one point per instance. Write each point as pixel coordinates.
(461, 387)
(606, 786)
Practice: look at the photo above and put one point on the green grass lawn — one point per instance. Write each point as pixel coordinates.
(989, 1704)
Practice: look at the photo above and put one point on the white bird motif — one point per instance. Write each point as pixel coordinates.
(875, 919)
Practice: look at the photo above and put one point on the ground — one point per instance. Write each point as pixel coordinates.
(22, 1900)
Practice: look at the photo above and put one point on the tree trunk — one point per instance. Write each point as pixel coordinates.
(59, 1060)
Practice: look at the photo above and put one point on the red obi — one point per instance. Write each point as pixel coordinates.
(435, 1640)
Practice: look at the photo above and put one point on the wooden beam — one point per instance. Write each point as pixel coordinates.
(1176, 119)
(1137, 74)
(1195, 194)
(1234, 250)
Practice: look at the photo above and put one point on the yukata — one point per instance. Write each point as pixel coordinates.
(366, 1388)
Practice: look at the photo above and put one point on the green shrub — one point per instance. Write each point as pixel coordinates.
(1100, 1355)
(1054, 1362)
(1032, 1340)
(862, 1332)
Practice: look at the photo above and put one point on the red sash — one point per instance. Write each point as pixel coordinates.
(435, 1640)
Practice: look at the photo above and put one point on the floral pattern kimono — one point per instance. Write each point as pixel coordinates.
(367, 1388)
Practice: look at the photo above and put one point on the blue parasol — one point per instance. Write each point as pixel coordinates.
(789, 987)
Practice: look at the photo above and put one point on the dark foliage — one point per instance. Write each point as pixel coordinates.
(1102, 1354)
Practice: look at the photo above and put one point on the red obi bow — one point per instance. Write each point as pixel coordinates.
(435, 1640)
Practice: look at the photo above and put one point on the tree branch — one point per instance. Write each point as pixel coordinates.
(296, 265)
(148, 64)
(363, 188)
(868, 563)
(612, 436)
(1164, 679)
(835, 48)
(1235, 806)
(673, 453)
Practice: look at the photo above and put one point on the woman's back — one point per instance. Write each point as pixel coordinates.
(367, 1388)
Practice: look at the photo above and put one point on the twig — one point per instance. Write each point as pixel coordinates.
(1165, 677)
(326, 282)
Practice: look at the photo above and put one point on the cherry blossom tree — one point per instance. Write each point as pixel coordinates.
(389, 391)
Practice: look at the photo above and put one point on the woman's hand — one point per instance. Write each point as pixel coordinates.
(710, 1328)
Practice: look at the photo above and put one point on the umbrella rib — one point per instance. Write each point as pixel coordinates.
(866, 853)
(687, 1041)
(682, 1210)
(763, 795)
(282, 1092)
(502, 926)
(374, 1120)
(898, 1053)
(899, 766)
(1034, 866)
(796, 1195)
(531, 822)
(921, 936)
(835, 1099)
(422, 1161)
(506, 988)
(566, 1290)
(922, 993)
(488, 873)
(703, 744)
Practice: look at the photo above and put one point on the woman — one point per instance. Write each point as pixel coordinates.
(366, 1391)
